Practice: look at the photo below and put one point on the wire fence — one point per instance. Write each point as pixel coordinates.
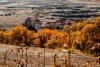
(14, 59)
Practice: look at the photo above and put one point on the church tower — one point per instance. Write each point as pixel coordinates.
(36, 17)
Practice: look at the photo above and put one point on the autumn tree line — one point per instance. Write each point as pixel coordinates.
(83, 35)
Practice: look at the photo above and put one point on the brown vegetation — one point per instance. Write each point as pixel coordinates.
(83, 35)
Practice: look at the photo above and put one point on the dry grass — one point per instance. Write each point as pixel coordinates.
(8, 22)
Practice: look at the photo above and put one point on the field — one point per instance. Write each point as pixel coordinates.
(8, 22)
(21, 12)
(26, 56)
(34, 56)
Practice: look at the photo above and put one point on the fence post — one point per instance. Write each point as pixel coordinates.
(44, 56)
(5, 58)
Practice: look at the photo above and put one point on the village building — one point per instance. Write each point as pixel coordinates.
(36, 24)
(33, 23)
